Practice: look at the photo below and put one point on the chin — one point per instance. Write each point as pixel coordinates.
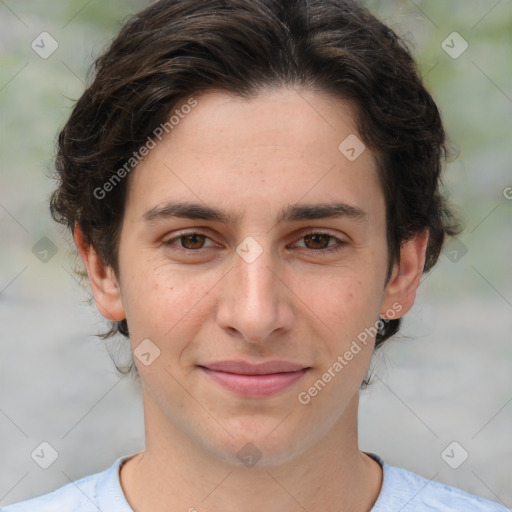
(259, 443)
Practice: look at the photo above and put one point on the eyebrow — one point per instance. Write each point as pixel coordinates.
(291, 213)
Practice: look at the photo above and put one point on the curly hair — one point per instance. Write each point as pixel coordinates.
(176, 48)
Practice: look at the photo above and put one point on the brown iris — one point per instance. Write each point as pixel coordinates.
(318, 240)
(195, 241)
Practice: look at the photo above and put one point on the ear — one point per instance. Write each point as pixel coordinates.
(104, 283)
(406, 275)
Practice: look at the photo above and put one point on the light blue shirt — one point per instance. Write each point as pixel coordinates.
(401, 491)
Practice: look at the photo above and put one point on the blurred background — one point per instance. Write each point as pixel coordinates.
(441, 399)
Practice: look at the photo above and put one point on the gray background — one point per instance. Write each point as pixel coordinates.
(446, 377)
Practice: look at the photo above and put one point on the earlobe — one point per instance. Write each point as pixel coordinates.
(104, 283)
(406, 275)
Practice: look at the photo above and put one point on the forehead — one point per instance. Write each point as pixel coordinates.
(280, 146)
(280, 119)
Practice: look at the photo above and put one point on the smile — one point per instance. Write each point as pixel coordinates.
(254, 381)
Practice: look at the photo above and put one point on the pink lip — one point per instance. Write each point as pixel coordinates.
(255, 380)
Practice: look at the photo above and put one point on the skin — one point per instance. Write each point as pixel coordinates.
(253, 158)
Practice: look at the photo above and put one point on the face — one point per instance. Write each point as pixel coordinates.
(252, 260)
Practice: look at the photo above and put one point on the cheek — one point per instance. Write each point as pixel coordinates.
(345, 300)
(163, 304)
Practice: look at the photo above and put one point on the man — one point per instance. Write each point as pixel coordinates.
(253, 187)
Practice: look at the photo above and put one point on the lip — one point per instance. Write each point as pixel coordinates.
(254, 380)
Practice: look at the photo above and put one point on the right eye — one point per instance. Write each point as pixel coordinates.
(191, 241)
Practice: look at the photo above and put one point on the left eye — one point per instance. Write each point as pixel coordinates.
(316, 242)
(320, 241)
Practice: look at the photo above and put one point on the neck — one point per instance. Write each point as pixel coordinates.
(175, 473)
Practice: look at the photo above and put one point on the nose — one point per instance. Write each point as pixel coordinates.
(255, 299)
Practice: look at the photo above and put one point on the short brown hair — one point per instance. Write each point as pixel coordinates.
(176, 48)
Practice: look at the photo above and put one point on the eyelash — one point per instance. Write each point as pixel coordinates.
(170, 243)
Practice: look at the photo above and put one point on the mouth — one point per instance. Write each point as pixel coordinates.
(254, 380)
